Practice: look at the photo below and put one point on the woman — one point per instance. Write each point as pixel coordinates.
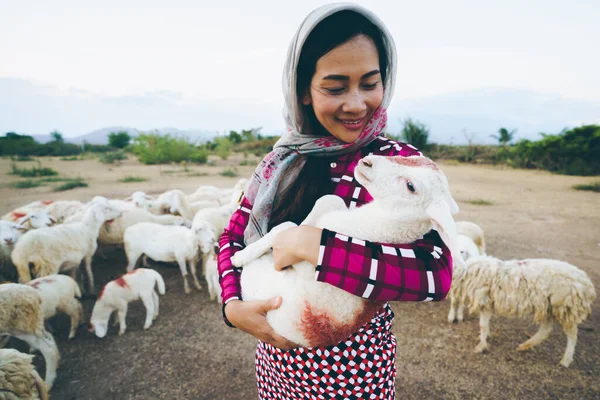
(338, 81)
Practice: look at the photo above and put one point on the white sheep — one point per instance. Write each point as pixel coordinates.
(10, 232)
(474, 232)
(37, 219)
(139, 199)
(548, 290)
(468, 249)
(169, 244)
(48, 251)
(211, 273)
(59, 294)
(411, 197)
(20, 212)
(19, 377)
(116, 295)
(179, 204)
(22, 317)
(63, 209)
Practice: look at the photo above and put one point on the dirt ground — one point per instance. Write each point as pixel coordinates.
(190, 354)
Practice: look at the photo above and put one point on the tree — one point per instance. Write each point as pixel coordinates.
(504, 136)
(223, 147)
(415, 133)
(235, 137)
(57, 136)
(119, 140)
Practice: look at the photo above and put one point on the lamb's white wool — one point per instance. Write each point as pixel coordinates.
(314, 313)
(115, 296)
(10, 232)
(21, 316)
(474, 232)
(139, 199)
(169, 244)
(179, 204)
(60, 293)
(211, 273)
(18, 377)
(36, 219)
(63, 209)
(468, 249)
(47, 251)
(20, 212)
(548, 290)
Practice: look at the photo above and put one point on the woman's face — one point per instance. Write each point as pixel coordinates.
(346, 88)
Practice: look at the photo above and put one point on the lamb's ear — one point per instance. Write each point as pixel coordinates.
(440, 214)
(20, 227)
(22, 220)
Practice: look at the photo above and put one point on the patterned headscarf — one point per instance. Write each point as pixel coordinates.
(273, 175)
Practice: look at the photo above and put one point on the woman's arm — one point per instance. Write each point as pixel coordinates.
(420, 271)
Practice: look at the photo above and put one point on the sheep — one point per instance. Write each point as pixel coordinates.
(468, 249)
(36, 219)
(139, 199)
(10, 232)
(63, 209)
(211, 273)
(19, 377)
(20, 212)
(62, 247)
(22, 317)
(411, 197)
(115, 296)
(474, 232)
(179, 204)
(549, 290)
(60, 293)
(169, 244)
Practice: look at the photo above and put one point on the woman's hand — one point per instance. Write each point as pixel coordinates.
(295, 245)
(251, 317)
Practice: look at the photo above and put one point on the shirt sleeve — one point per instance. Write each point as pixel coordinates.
(420, 271)
(232, 241)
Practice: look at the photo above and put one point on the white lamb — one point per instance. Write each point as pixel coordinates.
(21, 316)
(411, 197)
(48, 251)
(139, 199)
(10, 232)
(63, 209)
(18, 377)
(169, 244)
(474, 232)
(20, 212)
(115, 296)
(179, 204)
(36, 219)
(548, 290)
(211, 273)
(468, 249)
(59, 294)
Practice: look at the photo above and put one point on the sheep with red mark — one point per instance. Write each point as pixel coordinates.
(36, 219)
(20, 212)
(18, 377)
(550, 291)
(170, 244)
(410, 198)
(117, 294)
(22, 317)
(60, 293)
(10, 232)
(48, 251)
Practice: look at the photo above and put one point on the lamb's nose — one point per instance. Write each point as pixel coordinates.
(8, 241)
(366, 163)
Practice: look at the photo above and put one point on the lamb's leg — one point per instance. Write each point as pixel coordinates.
(122, 313)
(452, 312)
(484, 326)
(132, 258)
(186, 286)
(148, 301)
(322, 206)
(460, 312)
(260, 247)
(571, 333)
(88, 271)
(75, 311)
(539, 337)
(192, 266)
(47, 347)
(156, 301)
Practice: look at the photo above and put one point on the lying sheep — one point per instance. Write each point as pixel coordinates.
(169, 244)
(21, 316)
(18, 377)
(20, 212)
(468, 249)
(10, 232)
(60, 293)
(474, 232)
(548, 290)
(115, 296)
(47, 251)
(63, 209)
(397, 215)
(36, 219)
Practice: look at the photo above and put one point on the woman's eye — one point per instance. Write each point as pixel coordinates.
(370, 86)
(334, 90)
(410, 186)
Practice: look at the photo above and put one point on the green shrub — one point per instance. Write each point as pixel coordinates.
(21, 158)
(129, 179)
(32, 172)
(73, 158)
(110, 158)
(593, 187)
(54, 179)
(25, 184)
(161, 149)
(229, 172)
(480, 202)
(71, 184)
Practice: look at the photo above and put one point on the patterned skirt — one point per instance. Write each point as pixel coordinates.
(361, 367)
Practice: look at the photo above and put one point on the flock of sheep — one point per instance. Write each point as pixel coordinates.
(43, 239)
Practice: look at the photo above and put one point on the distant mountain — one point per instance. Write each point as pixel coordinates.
(100, 136)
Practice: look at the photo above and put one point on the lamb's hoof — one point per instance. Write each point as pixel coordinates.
(565, 363)
(523, 347)
(154, 317)
(147, 326)
(199, 287)
(121, 333)
(187, 290)
(480, 348)
(71, 336)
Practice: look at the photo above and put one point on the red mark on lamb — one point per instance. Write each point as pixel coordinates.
(101, 292)
(415, 161)
(321, 328)
(121, 282)
(36, 284)
(47, 202)
(15, 215)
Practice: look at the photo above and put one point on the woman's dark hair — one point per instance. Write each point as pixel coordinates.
(314, 180)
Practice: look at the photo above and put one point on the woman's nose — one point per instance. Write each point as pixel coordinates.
(354, 103)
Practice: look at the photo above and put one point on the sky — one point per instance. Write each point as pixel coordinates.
(222, 61)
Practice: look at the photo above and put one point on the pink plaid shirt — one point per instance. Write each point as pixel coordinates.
(420, 271)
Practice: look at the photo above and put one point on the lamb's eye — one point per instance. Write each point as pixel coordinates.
(410, 186)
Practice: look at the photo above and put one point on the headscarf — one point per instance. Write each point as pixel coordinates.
(275, 172)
